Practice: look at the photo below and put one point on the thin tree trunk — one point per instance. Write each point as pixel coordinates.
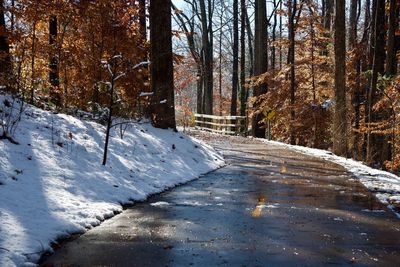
(109, 118)
(365, 66)
(355, 97)
(33, 56)
(292, 5)
(53, 64)
(220, 69)
(235, 68)
(328, 14)
(243, 99)
(280, 39)
(376, 147)
(142, 19)
(273, 55)
(5, 59)
(250, 45)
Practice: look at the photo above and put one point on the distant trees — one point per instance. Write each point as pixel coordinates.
(285, 57)
(198, 29)
(57, 49)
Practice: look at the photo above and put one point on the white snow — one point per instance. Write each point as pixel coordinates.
(160, 204)
(53, 184)
(146, 93)
(385, 185)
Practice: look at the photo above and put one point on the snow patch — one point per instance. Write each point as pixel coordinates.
(53, 184)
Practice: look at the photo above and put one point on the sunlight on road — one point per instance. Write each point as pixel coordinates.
(260, 205)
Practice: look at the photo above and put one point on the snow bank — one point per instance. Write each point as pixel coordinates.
(385, 185)
(53, 184)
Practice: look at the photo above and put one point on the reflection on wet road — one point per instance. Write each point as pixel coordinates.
(268, 207)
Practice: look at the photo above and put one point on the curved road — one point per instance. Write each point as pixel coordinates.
(268, 207)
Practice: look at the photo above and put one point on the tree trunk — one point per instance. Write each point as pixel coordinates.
(142, 19)
(53, 74)
(260, 60)
(243, 99)
(292, 5)
(273, 55)
(235, 68)
(365, 66)
(328, 14)
(161, 67)
(280, 39)
(340, 116)
(356, 90)
(377, 148)
(207, 60)
(391, 62)
(220, 66)
(53, 62)
(250, 45)
(5, 59)
(33, 56)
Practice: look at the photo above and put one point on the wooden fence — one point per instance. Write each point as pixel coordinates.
(231, 125)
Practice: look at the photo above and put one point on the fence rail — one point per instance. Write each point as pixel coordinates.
(231, 125)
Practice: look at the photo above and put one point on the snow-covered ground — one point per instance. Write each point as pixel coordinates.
(385, 185)
(53, 184)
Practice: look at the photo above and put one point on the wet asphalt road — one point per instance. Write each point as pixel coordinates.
(268, 207)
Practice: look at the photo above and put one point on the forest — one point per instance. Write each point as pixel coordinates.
(328, 69)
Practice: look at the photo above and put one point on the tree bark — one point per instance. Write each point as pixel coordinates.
(243, 99)
(5, 59)
(53, 61)
(292, 5)
(235, 63)
(392, 48)
(340, 116)
(328, 14)
(273, 49)
(207, 59)
(377, 149)
(142, 19)
(161, 67)
(260, 60)
(356, 90)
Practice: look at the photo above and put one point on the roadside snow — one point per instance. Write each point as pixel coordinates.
(53, 184)
(385, 185)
